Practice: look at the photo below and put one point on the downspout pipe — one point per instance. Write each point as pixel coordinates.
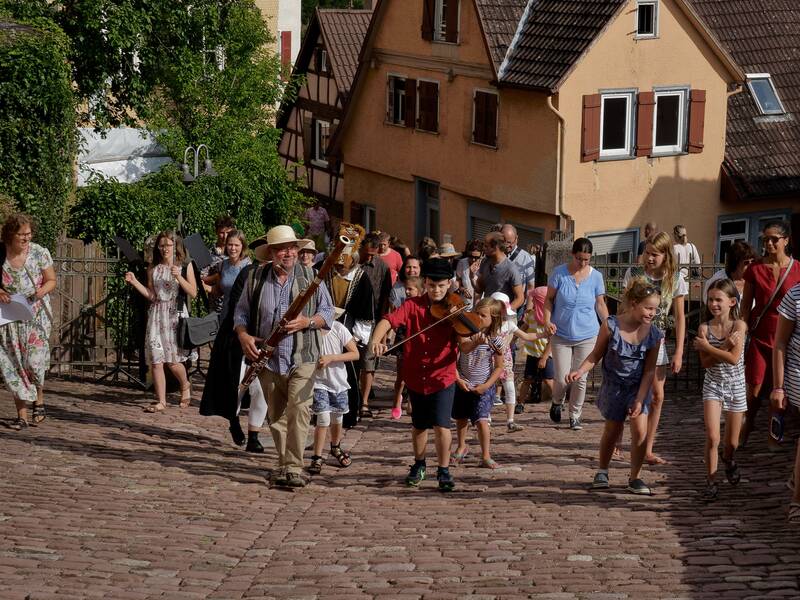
(565, 218)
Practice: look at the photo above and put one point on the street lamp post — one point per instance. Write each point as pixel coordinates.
(208, 168)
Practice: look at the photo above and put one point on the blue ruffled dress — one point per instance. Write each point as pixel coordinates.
(623, 366)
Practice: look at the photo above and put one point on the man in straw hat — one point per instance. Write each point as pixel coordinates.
(429, 370)
(288, 378)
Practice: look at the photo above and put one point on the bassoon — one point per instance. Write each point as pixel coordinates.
(279, 332)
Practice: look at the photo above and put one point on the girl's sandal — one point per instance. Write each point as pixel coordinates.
(489, 463)
(794, 513)
(315, 468)
(154, 408)
(39, 414)
(186, 396)
(341, 456)
(460, 457)
(618, 454)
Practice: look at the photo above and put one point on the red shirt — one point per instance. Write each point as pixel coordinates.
(761, 278)
(429, 360)
(394, 261)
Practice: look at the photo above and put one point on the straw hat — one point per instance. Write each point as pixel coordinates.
(260, 249)
(283, 234)
(309, 246)
(448, 251)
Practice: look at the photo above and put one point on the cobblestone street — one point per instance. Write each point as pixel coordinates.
(105, 501)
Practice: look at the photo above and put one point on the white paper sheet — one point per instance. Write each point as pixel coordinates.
(19, 309)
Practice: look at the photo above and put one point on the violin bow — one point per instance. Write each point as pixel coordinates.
(421, 331)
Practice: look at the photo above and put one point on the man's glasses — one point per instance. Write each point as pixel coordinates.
(774, 239)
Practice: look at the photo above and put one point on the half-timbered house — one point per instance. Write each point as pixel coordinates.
(324, 71)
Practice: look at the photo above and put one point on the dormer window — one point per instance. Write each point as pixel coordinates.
(763, 90)
(440, 20)
(646, 19)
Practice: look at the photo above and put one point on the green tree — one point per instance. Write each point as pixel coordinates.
(196, 72)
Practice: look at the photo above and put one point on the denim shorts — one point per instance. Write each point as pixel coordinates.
(432, 410)
(325, 401)
(532, 368)
(469, 405)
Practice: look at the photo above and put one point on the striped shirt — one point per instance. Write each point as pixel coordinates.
(535, 348)
(476, 366)
(272, 305)
(723, 374)
(790, 309)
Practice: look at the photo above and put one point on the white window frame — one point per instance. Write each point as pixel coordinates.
(733, 236)
(438, 107)
(766, 76)
(683, 121)
(438, 15)
(323, 61)
(627, 151)
(319, 158)
(646, 36)
(389, 99)
(497, 117)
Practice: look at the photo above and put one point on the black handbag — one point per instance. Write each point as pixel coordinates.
(197, 331)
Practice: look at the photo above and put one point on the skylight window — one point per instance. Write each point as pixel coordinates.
(763, 90)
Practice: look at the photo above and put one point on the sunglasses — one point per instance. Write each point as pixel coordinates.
(774, 239)
(473, 258)
(650, 290)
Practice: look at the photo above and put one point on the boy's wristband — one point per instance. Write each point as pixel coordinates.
(779, 389)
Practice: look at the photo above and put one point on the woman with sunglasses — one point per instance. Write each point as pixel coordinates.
(765, 285)
(737, 260)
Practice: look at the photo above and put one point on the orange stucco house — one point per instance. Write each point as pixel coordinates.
(584, 116)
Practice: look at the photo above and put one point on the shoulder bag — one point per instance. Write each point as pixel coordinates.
(196, 331)
(774, 294)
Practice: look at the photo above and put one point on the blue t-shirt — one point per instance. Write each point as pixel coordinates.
(574, 305)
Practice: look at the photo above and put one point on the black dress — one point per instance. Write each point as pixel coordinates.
(221, 392)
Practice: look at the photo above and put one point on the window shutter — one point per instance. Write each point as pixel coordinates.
(390, 83)
(590, 133)
(286, 48)
(411, 102)
(428, 106)
(318, 59)
(428, 16)
(451, 33)
(491, 119)
(308, 139)
(644, 123)
(479, 131)
(697, 117)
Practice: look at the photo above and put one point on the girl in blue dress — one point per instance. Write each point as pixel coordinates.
(628, 346)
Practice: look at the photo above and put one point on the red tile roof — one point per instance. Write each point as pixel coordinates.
(762, 154)
(343, 32)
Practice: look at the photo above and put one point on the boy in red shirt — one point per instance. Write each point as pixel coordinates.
(429, 370)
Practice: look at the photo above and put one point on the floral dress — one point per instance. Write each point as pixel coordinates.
(161, 337)
(25, 345)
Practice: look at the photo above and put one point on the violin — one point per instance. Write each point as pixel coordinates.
(451, 310)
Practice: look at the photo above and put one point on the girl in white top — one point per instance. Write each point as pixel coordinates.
(330, 392)
(659, 269)
(720, 343)
(508, 331)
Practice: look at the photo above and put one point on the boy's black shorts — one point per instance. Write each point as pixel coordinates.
(432, 410)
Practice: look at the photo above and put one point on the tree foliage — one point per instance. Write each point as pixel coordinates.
(37, 124)
(195, 72)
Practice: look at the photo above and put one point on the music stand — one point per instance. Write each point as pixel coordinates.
(198, 251)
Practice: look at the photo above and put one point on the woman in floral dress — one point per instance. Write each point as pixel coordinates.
(27, 269)
(165, 281)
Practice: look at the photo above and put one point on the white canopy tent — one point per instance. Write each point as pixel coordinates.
(125, 154)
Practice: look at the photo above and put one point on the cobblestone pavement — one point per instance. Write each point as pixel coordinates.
(105, 501)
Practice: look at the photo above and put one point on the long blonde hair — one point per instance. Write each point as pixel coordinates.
(496, 309)
(663, 244)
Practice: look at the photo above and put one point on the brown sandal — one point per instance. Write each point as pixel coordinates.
(39, 414)
(186, 396)
(341, 456)
(154, 408)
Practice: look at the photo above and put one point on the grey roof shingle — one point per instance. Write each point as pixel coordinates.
(552, 37)
(344, 32)
(500, 19)
(762, 154)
